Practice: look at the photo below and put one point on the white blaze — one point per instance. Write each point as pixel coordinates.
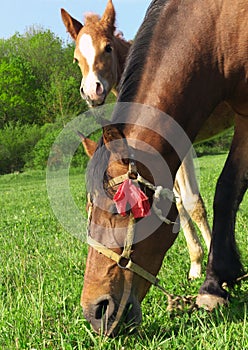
(90, 81)
(87, 49)
(88, 52)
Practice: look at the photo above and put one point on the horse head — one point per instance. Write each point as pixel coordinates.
(123, 232)
(98, 52)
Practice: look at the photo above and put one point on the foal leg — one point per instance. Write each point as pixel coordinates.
(192, 198)
(194, 246)
(224, 262)
(190, 206)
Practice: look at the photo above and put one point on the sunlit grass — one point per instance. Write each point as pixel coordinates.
(41, 277)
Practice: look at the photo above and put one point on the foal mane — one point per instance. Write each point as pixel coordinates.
(91, 18)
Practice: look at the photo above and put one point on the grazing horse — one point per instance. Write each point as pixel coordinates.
(189, 200)
(192, 56)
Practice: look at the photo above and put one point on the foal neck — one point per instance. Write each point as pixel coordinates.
(122, 48)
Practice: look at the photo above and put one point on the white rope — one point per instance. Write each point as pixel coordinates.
(159, 192)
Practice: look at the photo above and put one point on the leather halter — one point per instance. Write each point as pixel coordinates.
(159, 192)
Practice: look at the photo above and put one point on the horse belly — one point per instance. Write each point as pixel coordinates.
(219, 121)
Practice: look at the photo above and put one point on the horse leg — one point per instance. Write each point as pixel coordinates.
(224, 262)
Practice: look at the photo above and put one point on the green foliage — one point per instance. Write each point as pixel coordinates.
(58, 147)
(38, 83)
(41, 150)
(16, 144)
(218, 145)
(17, 84)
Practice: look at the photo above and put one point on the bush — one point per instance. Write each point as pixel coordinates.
(40, 152)
(218, 145)
(16, 144)
(57, 145)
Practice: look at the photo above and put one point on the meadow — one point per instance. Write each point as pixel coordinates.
(41, 277)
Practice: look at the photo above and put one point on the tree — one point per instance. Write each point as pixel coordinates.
(17, 91)
(39, 83)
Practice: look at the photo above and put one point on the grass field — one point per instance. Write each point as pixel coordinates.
(41, 277)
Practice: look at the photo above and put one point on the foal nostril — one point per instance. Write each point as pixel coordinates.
(99, 89)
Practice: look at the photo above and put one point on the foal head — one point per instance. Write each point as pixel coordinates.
(99, 52)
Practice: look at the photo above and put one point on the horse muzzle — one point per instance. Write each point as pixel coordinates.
(95, 95)
(103, 313)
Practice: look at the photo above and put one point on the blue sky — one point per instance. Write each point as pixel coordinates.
(18, 15)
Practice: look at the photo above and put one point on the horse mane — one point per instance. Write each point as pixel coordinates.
(96, 168)
(96, 171)
(130, 77)
(91, 18)
(138, 53)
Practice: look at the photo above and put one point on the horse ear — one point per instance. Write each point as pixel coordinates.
(88, 144)
(108, 18)
(72, 25)
(114, 140)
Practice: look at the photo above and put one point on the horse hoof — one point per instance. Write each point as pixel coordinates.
(209, 301)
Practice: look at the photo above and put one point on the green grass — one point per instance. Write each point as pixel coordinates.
(41, 277)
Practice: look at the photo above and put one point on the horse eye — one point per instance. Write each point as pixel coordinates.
(125, 161)
(75, 60)
(108, 48)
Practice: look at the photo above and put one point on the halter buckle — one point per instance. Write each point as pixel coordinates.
(132, 171)
(123, 263)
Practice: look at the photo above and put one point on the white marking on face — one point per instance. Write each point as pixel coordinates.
(87, 50)
(91, 79)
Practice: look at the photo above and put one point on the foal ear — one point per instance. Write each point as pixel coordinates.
(114, 140)
(72, 25)
(108, 18)
(88, 144)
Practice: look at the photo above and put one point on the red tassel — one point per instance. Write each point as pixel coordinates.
(138, 201)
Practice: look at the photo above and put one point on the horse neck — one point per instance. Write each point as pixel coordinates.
(181, 64)
(122, 48)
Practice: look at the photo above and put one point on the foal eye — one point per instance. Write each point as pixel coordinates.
(108, 48)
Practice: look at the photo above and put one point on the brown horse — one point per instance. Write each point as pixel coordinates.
(189, 200)
(192, 56)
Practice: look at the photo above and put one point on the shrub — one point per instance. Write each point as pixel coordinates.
(16, 144)
(57, 145)
(217, 145)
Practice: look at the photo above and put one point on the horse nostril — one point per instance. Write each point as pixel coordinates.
(104, 306)
(101, 309)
